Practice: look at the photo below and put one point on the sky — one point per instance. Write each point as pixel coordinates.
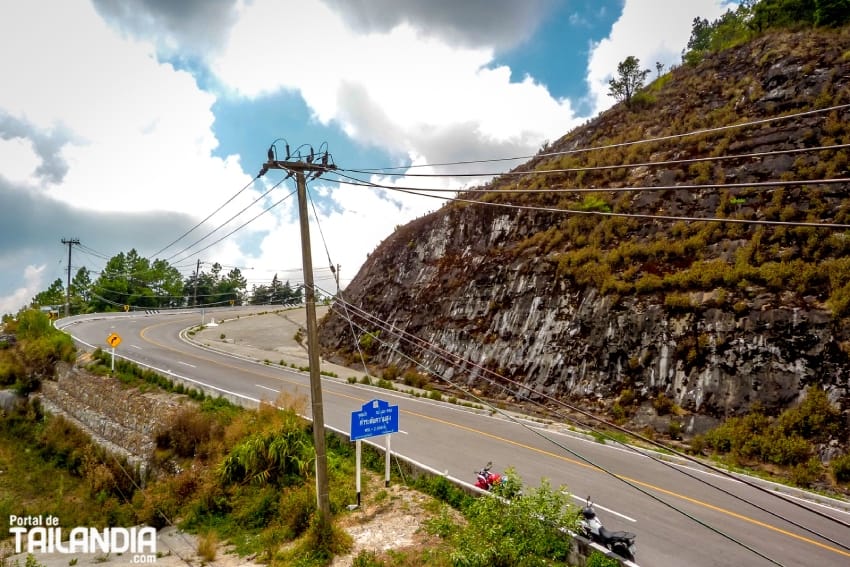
(125, 123)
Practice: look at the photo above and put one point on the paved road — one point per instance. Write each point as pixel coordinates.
(457, 440)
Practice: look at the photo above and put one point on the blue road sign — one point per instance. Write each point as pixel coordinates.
(374, 418)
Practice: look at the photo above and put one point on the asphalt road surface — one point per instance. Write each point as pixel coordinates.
(677, 514)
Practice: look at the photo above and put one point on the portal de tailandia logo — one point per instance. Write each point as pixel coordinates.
(44, 534)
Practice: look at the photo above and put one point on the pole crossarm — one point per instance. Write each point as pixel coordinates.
(298, 166)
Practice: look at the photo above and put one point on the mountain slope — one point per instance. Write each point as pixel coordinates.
(556, 292)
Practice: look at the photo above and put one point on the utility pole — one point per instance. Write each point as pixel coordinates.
(70, 242)
(197, 276)
(298, 168)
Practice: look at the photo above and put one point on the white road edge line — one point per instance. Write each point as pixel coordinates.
(595, 505)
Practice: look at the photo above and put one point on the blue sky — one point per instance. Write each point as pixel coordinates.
(129, 121)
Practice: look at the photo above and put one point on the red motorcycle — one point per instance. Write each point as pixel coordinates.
(487, 479)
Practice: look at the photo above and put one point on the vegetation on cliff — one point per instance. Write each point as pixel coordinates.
(689, 247)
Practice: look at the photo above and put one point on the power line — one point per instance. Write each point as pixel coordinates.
(527, 173)
(454, 360)
(739, 185)
(621, 144)
(240, 227)
(423, 193)
(225, 223)
(579, 456)
(188, 232)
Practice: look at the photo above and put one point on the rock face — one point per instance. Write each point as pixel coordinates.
(680, 307)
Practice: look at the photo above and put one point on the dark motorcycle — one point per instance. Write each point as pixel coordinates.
(487, 479)
(621, 543)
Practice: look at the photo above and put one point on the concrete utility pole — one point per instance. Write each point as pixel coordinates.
(197, 275)
(298, 168)
(70, 242)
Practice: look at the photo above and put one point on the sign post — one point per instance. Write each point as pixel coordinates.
(113, 340)
(375, 418)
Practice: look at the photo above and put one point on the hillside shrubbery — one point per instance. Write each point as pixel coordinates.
(789, 440)
(33, 356)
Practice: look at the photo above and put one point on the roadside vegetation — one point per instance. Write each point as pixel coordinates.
(244, 477)
(791, 445)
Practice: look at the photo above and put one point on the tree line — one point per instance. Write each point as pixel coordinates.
(130, 281)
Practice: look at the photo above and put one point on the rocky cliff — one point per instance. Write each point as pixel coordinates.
(608, 288)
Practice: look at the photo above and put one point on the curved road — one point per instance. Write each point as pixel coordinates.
(457, 441)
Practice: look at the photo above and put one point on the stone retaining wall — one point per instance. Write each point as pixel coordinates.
(124, 420)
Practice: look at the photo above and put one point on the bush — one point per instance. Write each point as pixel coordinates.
(841, 468)
(807, 473)
(64, 445)
(674, 429)
(596, 559)
(413, 378)
(526, 531)
(278, 455)
(207, 546)
(662, 404)
(296, 508)
(815, 418)
(187, 432)
(391, 372)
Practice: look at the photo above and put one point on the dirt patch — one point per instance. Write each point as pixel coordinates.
(392, 519)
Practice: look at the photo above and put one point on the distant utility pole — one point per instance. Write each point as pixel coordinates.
(197, 276)
(70, 242)
(298, 167)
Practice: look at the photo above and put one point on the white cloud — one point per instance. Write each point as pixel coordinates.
(19, 160)
(417, 82)
(395, 88)
(94, 122)
(20, 297)
(140, 131)
(651, 30)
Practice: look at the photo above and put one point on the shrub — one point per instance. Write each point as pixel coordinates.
(596, 559)
(807, 473)
(780, 449)
(594, 203)
(296, 507)
(618, 413)
(416, 379)
(815, 418)
(841, 468)
(649, 283)
(367, 559)
(391, 372)
(272, 456)
(662, 404)
(526, 531)
(187, 432)
(208, 546)
(63, 444)
(674, 429)
(678, 301)
(627, 396)
(642, 99)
